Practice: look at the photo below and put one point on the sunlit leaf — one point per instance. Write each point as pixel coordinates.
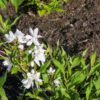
(97, 86)
(93, 58)
(3, 79)
(88, 91)
(58, 65)
(16, 3)
(3, 94)
(78, 77)
(76, 61)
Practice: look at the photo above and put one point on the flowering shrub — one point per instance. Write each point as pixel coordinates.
(49, 73)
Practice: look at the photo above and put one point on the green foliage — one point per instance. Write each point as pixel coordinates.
(78, 77)
(71, 77)
(5, 25)
(3, 4)
(58, 65)
(54, 5)
(2, 91)
(3, 79)
(43, 7)
(17, 3)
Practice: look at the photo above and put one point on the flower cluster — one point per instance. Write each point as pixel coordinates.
(51, 71)
(31, 77)
(38, 51)
(31, 43)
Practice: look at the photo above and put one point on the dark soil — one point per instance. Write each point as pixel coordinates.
(77, 28)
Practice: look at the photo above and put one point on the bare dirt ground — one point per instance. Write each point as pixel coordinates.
(77, 28)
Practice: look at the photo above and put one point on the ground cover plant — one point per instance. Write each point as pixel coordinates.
(32, 69)
(45, 70)
(42, 7)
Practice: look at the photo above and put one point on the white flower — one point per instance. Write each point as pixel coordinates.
(21, 47)
(10, 37)
(33, 38)
(20, 36)
(57, 82)
(32, 63)
(39, 55)
(37, 79)
(29, 81)
(51, 70)
(7, 63)
(31, 77)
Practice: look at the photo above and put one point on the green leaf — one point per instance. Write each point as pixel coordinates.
(63, 91)
(41, 12)
(46, 7)
(3, 4)
(16, 19)
(3, 79)
(3, 94)
(75, 62)
(33, 96)
(45, 78)
(93, 69)
(4, 98)
(16, 3)
(97, 85)
(14, 70)
(8, 52)
(59, 65)
(93, 58)
(83, 64)
(88, 91)
(78, 77)
(63, 52)
(1, 20)
(45, 66)
(30, 95)
(84, 52)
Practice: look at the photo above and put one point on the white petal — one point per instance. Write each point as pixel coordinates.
(24, 81)
(11, 34)
(35, 32)
(6, 63)
(56, 82)
(51, 70)
(32, 63)
(19, 33)
(36, 42)
(31, 31)
(29, 74)
(27, 83)
(21, 47)
(22, 39)
(30, 51)
(9, 67)
(7, 36)
(10, 37)
(32, 84)
(32, 71)
(29, 43)
(28, 37)
(37, 61)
